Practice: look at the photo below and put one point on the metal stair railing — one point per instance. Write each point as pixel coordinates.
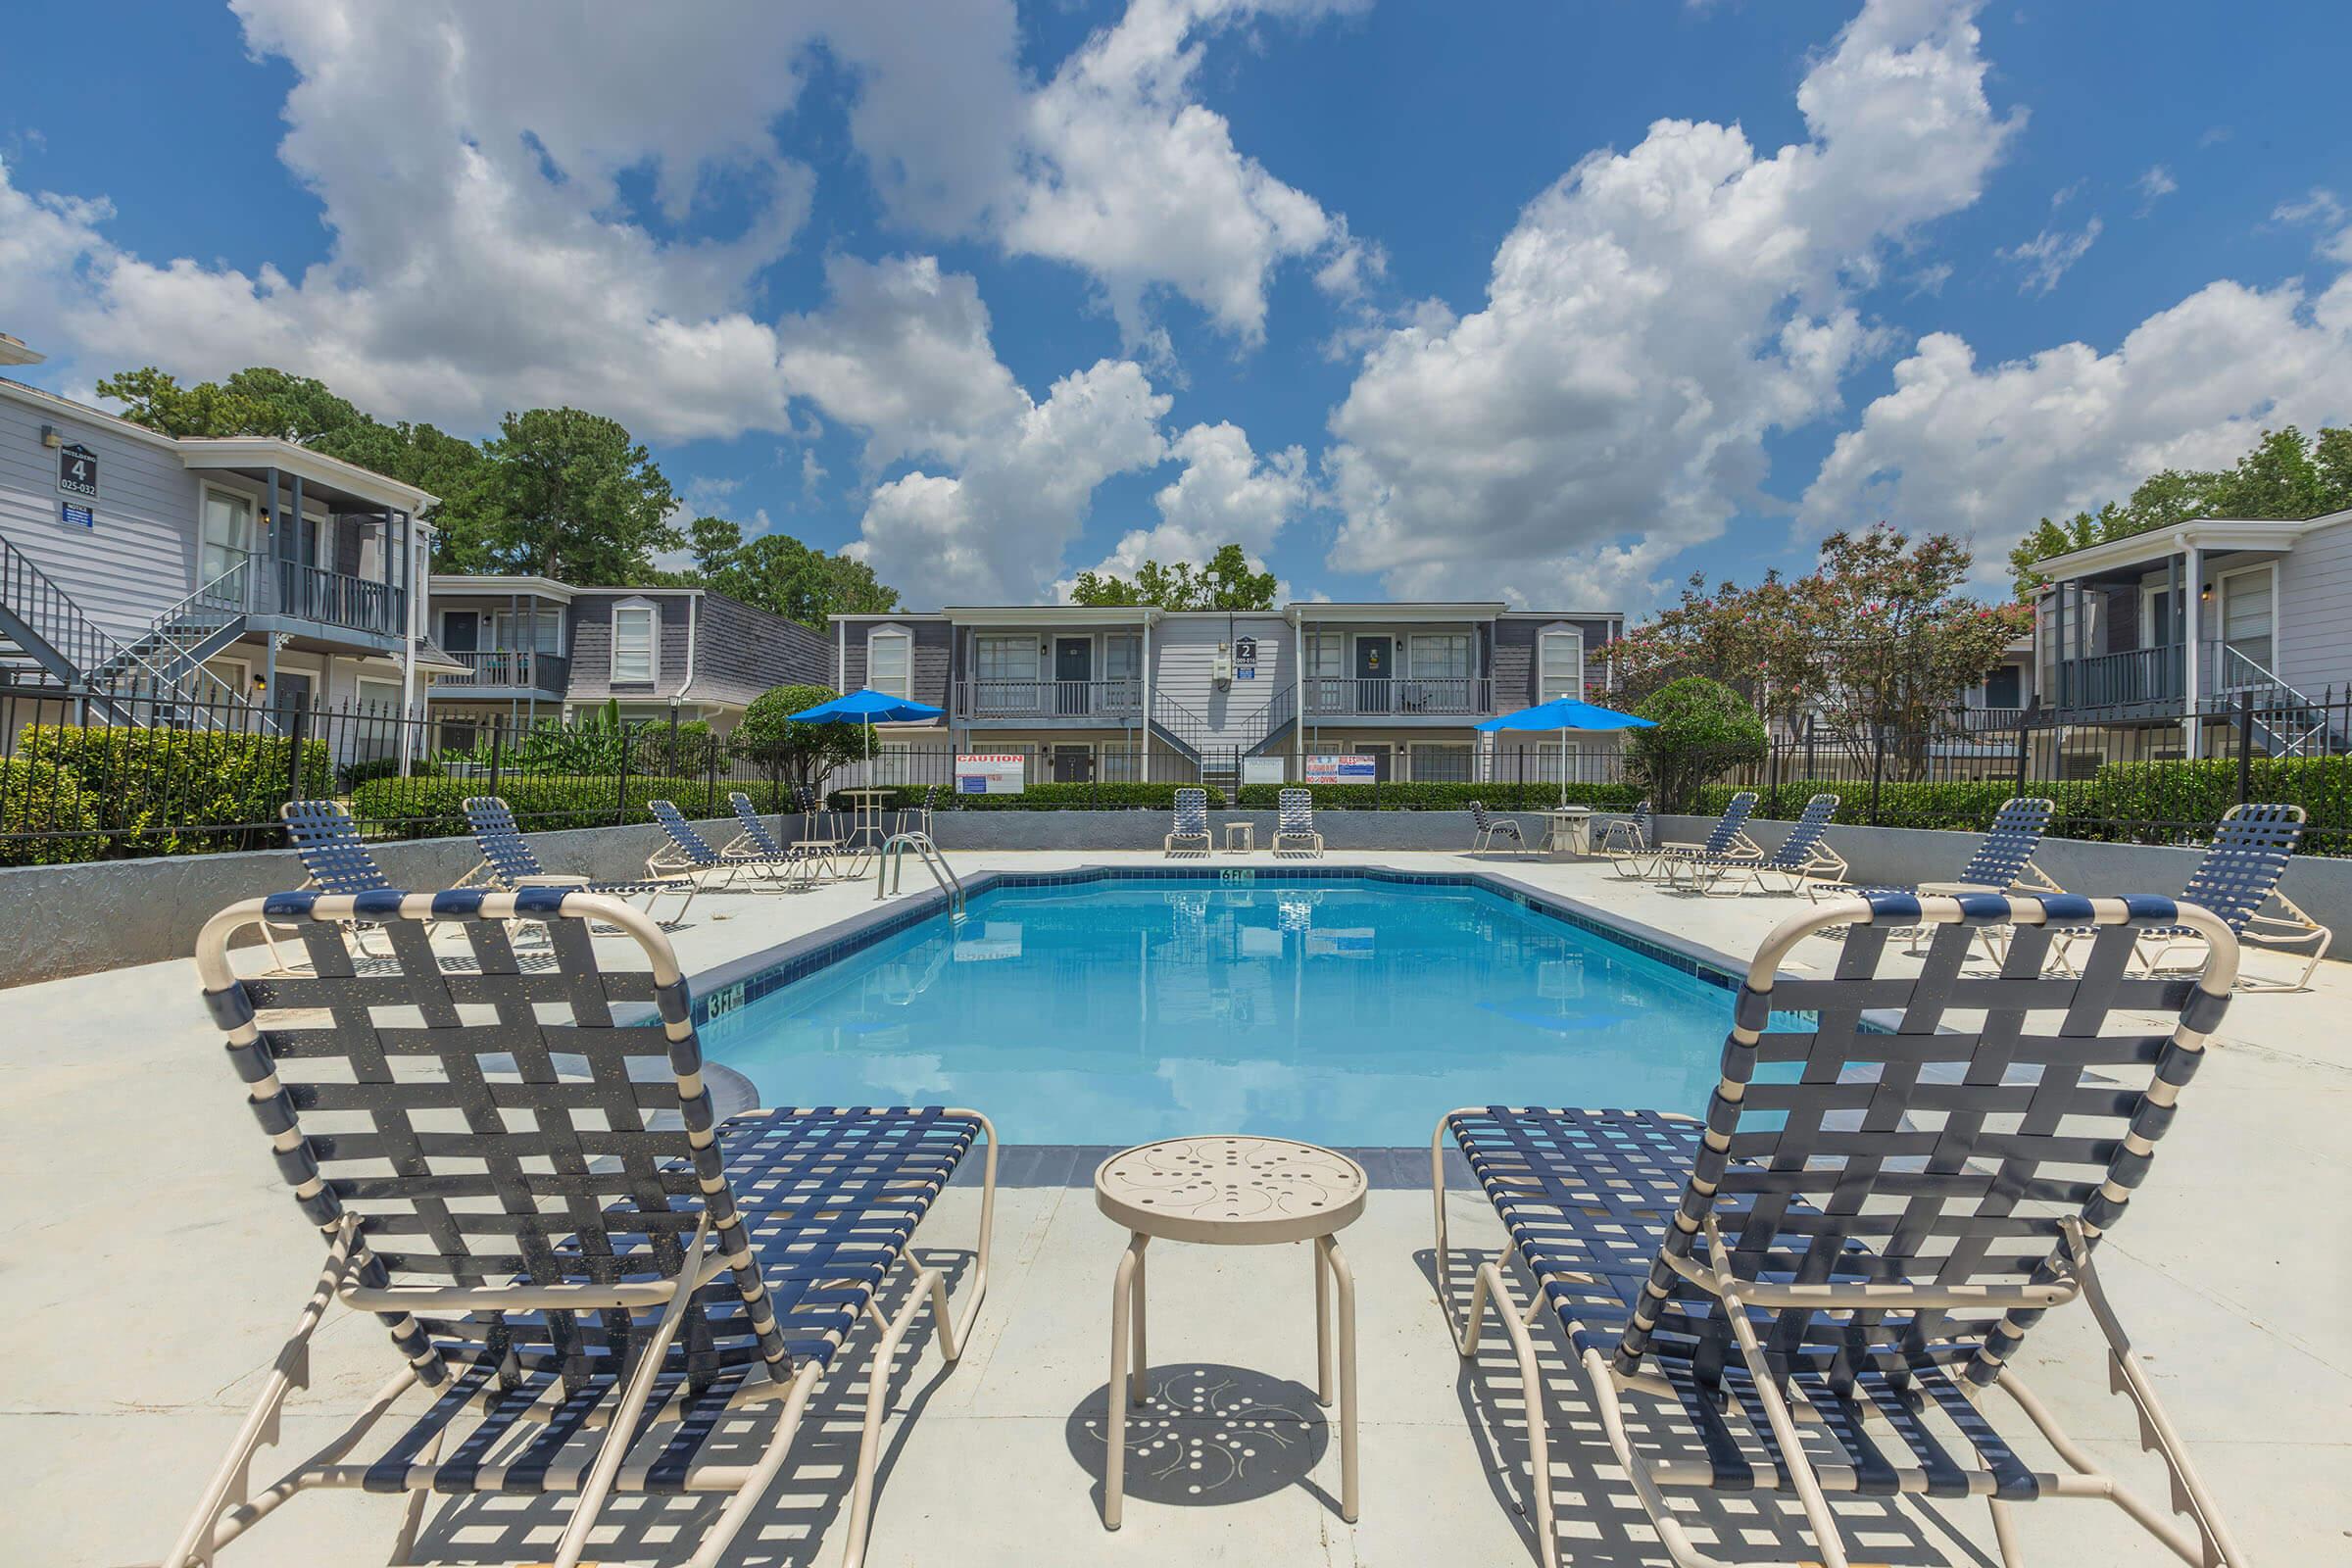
(213, 608)
(49, 617)
(2289, 721)
(890, 868)
(1179, 724)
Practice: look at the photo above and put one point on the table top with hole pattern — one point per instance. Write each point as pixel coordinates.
(1231, 1190)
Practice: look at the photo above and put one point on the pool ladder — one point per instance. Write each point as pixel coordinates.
(890, 868)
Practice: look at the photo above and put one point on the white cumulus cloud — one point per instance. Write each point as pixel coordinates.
(1649, 321)
(2045, 257)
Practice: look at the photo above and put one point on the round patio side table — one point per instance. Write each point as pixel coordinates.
(1230, 1192)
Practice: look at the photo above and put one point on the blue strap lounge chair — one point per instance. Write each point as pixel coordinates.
(1870, 1224)
(2004, 858)
(1728, 838)
(509, 863)
(1800, 857)
(1294, 824)
(333, 861)
(685, 852)
(590, 1283)
(2238, 881)
(1631, 834)
(754, 837)
(1189, 826)
(1486, 827)
(916, 819)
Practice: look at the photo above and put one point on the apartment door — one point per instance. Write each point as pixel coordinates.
(1073, 668)
(292, 696)
(1073, 765)
(1375, 666)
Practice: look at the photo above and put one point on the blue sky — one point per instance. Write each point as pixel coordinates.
(1557, 306)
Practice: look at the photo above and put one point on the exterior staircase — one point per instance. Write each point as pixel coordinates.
(1221, 761)
(50, 648)
(2285, 721)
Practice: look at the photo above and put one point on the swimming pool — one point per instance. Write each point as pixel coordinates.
(1339, 1010)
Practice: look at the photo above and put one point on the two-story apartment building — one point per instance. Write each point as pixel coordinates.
(1135, 692)
(2175, 627)
(530, 649)
(213, 581)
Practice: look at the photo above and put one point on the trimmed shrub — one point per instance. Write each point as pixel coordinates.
(355, 774)
(1446, 797)
(141, 780)
(435, 808)
(43, 798)
(1107, 797)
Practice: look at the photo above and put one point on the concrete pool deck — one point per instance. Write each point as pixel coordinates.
(154, 1263)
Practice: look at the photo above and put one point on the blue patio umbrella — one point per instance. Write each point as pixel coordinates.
(1565, 713)
(869, 708)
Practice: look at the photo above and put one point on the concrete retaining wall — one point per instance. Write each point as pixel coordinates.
(1903, 857)
(103, 914)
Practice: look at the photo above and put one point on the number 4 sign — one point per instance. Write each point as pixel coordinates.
(77, 471)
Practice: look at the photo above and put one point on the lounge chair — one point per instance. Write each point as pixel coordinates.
(684, 853)
(2238, 880)
(814, 834)
(2004, 858)
(1630, 834)
(1800, 857)
(1729, 836)
(918, 818)
(753, 838)
(1871, 1224)
(1295, 822)
(509, 863)
(333, 861)
(1485, 828)
(587, 1279)
(1190, 822)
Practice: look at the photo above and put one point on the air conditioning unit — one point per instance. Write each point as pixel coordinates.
(1220, 667)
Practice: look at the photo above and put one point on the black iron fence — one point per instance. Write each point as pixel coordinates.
(93, 778)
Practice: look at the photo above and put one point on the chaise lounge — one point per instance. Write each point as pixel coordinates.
(511, 865)
(1189, 824)
(1870, 1226)
(1803, 856)
(591, 1280)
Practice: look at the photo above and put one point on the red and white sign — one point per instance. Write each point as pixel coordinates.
(991, 774)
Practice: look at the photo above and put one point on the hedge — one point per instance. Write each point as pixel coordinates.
(1108, 797)
(139, 782)
(43, 798)
(435, 808)
(1448, 797)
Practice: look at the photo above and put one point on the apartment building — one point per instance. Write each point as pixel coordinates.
(2178, 627)
(528, 648)
(1133, 692)
(231, 581)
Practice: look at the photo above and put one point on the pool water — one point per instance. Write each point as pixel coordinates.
(1340, 1010)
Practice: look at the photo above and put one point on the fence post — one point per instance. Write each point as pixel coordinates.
(672, 770)
(296, 738)
(2245, 743)
(1877, 769)
(1810, 775)
(711, 779)
(498, 754)
(1772, 786)
(2020, 754)
(620, 793)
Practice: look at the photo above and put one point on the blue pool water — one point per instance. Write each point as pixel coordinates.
(1341, 1010)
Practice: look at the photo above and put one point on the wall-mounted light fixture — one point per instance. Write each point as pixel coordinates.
(52, 436)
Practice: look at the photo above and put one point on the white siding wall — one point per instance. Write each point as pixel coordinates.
(2314, 612)
(140, 559)
(1183, 648)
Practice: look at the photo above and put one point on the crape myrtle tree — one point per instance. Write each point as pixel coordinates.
(790, 751)
(1875, 647)
(1702, 728)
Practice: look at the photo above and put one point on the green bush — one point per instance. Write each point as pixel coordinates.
(435, 808)
(1446, 797)
(1964, 805)
(43, 798)
(352, 775)
(1108, 797)
(141, 781)
(1703, 729)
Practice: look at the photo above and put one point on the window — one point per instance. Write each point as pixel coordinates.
(1326, 655)
(1441, 765)
(378, 698)
(2246, 621)
(633, 644)
(226, 535)
(1006, 668)
(540, 630)
(1441, 656)
(889, 663)
(1561, 667)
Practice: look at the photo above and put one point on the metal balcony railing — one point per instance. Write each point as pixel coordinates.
(1329, 696)
(1050, 699)
(526, 669)
(335, 598)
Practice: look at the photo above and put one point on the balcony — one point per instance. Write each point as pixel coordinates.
(508, 668)
(2156, 677)
(261, 585)
(1419, 697)
(1016, 700)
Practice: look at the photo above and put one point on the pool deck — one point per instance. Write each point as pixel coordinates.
(154, 1263)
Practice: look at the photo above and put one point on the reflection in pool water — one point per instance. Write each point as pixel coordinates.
(1345, 1012)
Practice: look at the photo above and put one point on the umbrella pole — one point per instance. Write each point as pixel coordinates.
(1564, 770)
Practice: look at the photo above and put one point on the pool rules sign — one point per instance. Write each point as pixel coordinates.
(77, 485)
